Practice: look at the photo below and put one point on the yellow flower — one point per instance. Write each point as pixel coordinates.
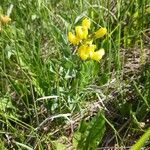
(86, 23)
(73, 39)
(5, 19)
(81, 32)
(82, 52)
(90, 49)
(100, 33)
(97, 55)
(83, 56)
(86, 50)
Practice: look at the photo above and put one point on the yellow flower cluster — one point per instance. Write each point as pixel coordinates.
(4, 20)
(84, 41)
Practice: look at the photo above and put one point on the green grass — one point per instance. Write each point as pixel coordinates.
(45, 86)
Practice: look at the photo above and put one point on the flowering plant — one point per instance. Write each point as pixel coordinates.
(84, 41)
(4, 20)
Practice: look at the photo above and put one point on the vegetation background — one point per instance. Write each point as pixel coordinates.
(50, 99)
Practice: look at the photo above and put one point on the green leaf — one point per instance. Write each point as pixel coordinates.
(138, 145)
(24, 146)
(90, 134)
(88, 73)
(5, 103)
(148, 10)
(96, 132)
(58, 146)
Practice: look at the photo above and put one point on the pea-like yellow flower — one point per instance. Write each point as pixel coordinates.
(97, 55)
(82, 52)
(5, 19)
(86, 50)
(100, 33)
(73, 39)
(90, 49)
(86, 23)
(81, 32)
